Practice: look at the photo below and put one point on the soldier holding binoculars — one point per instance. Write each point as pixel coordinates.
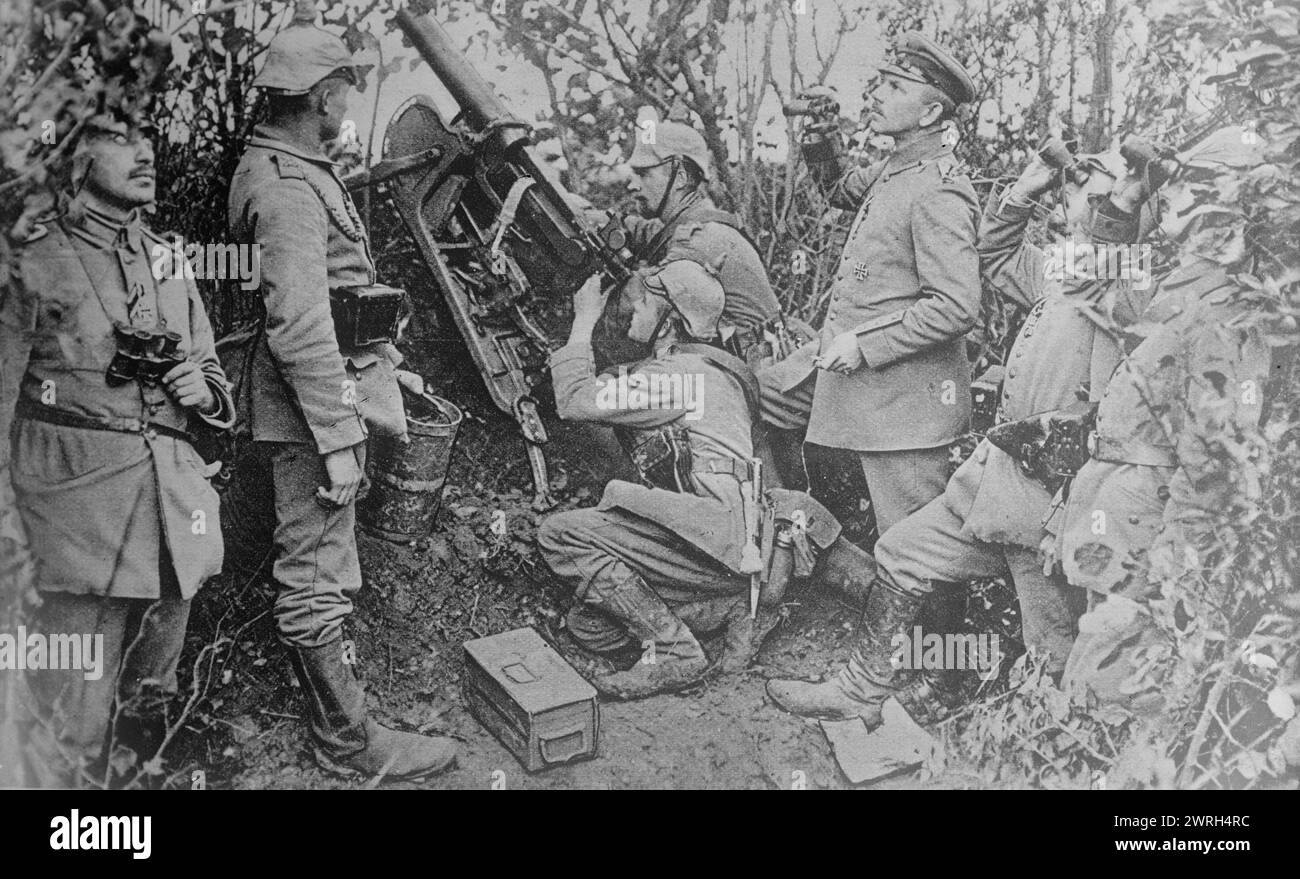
(104, 369)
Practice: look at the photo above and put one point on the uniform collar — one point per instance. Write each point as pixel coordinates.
(272, 137)
(926, 147)
(106, 231)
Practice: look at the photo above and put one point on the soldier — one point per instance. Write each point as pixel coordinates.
(315, 396)
(888, 377)
(657, 565)
(1175, 445)
(680, 221)
(989, 520)
(115, 499)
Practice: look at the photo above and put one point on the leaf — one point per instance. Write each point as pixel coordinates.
(1281, 704)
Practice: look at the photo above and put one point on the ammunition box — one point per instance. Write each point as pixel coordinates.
(533, 701)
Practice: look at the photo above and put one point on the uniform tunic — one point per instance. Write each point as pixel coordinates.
(1151, 471)
(309, 397)
(696, 234)
(989, 520)
(907, 285)
(102, 507)
(687, 546)
(1157, 480)
(293, 206)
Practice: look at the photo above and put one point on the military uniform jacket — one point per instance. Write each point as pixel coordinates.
(907, 285)
(293, 207)
(712, 518)
(1061, 350)
(1172, 421)
(99, 506)
(698, 234)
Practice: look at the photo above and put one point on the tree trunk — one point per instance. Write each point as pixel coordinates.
(1096, 133)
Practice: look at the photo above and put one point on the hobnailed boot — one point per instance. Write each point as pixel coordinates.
(848, 569)
(677, 659)
(346, 741)
(869, 678)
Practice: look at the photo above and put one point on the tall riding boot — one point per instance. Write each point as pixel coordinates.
(848, 569)
(944, 614)
(869, 678)
(346, 740)
(677, 660)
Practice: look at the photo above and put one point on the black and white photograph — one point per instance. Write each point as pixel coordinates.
(894, 395)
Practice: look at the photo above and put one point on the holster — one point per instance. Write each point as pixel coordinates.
(366, 315)
(1050, 447)
(985, 392)
(662, 457)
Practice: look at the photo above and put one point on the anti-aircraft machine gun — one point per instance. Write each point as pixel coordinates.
(497, 238)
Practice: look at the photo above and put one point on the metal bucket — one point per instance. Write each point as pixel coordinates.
(406, 479)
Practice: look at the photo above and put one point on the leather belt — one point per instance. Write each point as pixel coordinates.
(726, 466)
(61, 417)
(1144, 454)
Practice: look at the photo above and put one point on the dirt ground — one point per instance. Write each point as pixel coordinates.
(421, 602)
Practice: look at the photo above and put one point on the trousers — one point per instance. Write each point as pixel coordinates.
(68, 711)
(899, 482)
(313, 550)
(583, 546)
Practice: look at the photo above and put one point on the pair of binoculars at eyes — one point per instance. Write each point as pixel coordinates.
(144, 355)
(1139, 152)
(817, 106)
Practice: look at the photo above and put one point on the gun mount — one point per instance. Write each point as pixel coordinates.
(497, 237)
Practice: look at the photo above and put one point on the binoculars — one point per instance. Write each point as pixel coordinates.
(143, 355)
(821, 106)
(1060, 154)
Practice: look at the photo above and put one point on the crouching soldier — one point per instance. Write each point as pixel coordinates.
(106, 367)
(1175, 449)
(657, 565)
(317, 391)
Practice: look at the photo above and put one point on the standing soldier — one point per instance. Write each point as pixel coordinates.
(989, 520)
(680, 221)
(315, 395)
(888, 378)
(105, 365)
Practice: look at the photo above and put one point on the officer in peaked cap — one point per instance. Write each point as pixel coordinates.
(888, 379)
(314, 395)
(919, 59)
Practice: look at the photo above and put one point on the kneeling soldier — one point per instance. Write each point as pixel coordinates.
(105, 367)
(656, 565)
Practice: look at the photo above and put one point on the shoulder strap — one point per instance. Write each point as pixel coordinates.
(730, 364)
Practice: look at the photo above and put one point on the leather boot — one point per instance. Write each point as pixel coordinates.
(848, 569)
(677, 659)
(869, 678)
(745, 635)
(346, 741)
(944, 614)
